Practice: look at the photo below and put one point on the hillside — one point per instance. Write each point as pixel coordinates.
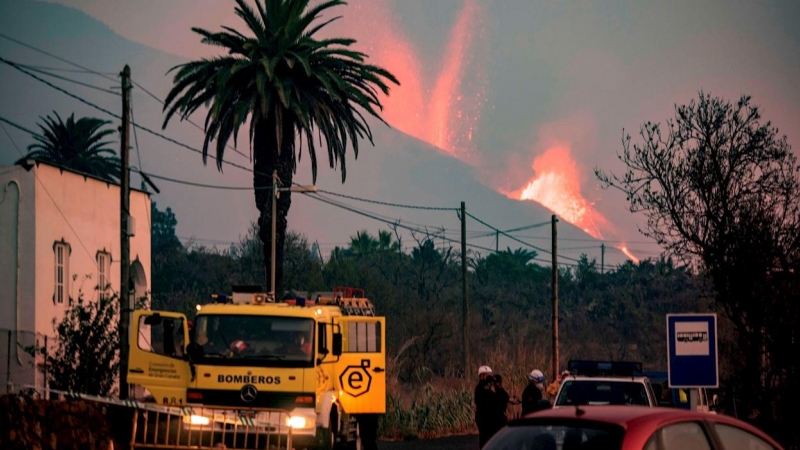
(399, 169)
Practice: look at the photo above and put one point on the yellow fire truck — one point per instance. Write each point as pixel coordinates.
(322, 360)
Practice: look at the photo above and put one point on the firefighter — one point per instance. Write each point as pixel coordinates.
(552, 389)
(533, 392)
(485, 404)
(501, 401)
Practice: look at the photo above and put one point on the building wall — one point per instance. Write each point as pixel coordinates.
(17, 279)
(84, 213)
(17, 276)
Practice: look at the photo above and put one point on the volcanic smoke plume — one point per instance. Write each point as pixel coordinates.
(445, 111)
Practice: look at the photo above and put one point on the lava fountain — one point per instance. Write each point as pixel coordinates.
(557, 187)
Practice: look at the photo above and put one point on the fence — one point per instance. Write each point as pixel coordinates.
(205, 427)
(19, 364)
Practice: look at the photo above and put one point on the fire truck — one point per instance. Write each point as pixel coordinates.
(320, 360)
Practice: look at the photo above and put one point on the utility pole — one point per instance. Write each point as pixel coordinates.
(496, 241)
(126, 304)
(602, 258)
(465, 309)
(555, 297)
(274, 214)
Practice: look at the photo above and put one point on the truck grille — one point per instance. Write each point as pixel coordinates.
(278, 400)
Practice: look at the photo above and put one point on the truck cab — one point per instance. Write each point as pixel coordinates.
(322, 361)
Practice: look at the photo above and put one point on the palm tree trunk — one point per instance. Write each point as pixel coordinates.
(266, 159)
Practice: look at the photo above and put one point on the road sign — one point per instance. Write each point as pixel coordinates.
(692, 352)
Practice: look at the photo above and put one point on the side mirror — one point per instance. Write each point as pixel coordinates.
(155, 319)
(337, 344)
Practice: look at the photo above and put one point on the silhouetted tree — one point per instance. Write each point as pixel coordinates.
(76, 144)
(720, 188)
(292, 87)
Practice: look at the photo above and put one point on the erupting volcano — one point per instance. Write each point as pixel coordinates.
(556, 186)
(447, 113)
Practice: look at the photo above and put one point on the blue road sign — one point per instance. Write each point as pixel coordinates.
(692, 352)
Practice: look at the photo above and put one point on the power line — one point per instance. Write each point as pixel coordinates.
(19, 127)
(117, 116)
(99, 108)
(101, 74)
(70, 80)
(156, 98)
(518, 240)
(599, 241)
(18, 67)
(394, 205)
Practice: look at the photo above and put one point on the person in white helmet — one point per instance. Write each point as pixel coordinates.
(484, 404)
(533, 392)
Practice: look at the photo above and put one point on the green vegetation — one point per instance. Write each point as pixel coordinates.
(85, 355)
(77, 145)
(619, 314)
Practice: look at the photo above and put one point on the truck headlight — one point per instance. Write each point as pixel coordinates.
(296, 422)
(199, 420)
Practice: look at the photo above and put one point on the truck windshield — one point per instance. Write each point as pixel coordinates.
(259, 340)
(602, 392)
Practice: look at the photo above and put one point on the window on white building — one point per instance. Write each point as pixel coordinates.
(103, 272)
(61, 294)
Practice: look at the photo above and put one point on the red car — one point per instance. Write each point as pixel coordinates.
(628, 428)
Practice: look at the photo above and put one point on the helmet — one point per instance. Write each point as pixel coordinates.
(536, 376)
(565, 374)
(484, 369)
(237, 347)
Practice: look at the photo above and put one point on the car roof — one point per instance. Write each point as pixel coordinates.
(629, 417)
(605, 378)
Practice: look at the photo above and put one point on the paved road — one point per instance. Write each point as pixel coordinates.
(469, 442)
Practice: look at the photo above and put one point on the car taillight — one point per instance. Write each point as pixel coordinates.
(304, 399)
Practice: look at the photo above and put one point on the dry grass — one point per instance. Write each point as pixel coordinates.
(430, 406)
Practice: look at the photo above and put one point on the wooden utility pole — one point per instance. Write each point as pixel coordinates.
(602, 258)
(497, 240)
(555, 297)
(464, 297)
(125, 301)
(274, 214)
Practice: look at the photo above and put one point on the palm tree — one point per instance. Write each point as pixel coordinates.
(290, 86)
(76, 145)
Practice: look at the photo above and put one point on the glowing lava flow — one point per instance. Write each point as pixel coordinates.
(557, 187)
(628, 253)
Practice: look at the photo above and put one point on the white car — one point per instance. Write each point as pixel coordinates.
(605, 390)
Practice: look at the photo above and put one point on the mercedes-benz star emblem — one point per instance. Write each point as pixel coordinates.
(248, 393)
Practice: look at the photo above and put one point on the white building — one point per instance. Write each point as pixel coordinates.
(59, 238)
